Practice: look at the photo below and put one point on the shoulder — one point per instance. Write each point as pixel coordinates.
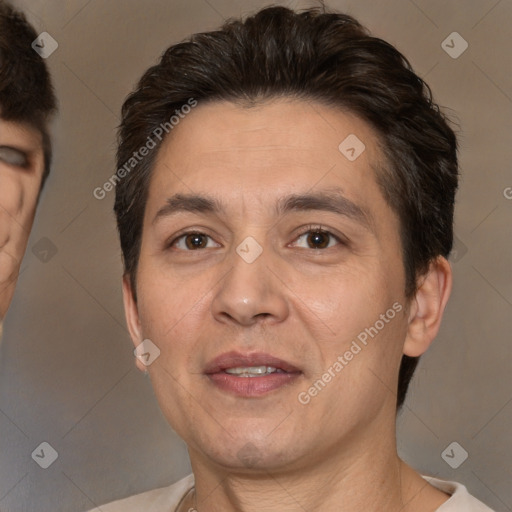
(460, 500)
(165, 499)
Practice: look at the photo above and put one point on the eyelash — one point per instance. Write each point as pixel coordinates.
(309, 229)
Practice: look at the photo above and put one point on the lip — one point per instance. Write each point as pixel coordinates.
(235, 359)
(249, 386)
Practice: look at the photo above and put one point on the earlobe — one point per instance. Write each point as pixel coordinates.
(132, 317)
(427, 307)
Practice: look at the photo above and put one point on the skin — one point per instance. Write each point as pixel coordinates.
(297, 302)
(21, 171)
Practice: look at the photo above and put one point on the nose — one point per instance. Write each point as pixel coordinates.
(251, 292)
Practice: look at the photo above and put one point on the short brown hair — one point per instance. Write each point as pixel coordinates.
(313, 55)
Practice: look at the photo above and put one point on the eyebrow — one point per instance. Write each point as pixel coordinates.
(332, 200)
(189, 203)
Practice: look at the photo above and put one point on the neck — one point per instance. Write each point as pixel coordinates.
(360, 476)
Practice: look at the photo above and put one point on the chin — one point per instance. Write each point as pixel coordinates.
(251, 458)
(247, 450)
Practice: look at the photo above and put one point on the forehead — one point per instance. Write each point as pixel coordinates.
(279, 142)
(13, 133)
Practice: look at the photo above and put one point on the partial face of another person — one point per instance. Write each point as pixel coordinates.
(264, 246)
(21, 171)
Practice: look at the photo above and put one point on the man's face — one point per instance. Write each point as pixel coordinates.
(21, 170)
(212, 301)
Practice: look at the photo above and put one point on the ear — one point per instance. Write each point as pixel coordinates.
(132, 317)
(427, 307)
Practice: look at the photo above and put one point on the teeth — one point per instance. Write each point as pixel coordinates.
(252, 371)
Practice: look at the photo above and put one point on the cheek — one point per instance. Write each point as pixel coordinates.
(11, 194)
(343, 297)
(169, 308)
(8, 268)
(354, 305)
(5, 226)
(11, 201)
(18, 197)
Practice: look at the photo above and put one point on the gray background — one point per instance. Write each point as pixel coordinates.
(67, 375)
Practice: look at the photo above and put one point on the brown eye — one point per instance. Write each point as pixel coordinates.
(195, 241)
(12, 156)
(318, 240)
(192, 241)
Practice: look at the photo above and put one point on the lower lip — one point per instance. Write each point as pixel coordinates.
(251, 386)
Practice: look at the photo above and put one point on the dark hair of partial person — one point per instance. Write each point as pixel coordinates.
(319, 56)
(26, 91)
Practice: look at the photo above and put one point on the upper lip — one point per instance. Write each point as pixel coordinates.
(239, 360)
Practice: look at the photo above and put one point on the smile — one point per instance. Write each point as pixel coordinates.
(250, 375)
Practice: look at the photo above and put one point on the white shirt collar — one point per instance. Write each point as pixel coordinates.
(460, 500)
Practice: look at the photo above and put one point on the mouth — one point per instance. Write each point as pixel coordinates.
(253, 371)
(250, 375)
